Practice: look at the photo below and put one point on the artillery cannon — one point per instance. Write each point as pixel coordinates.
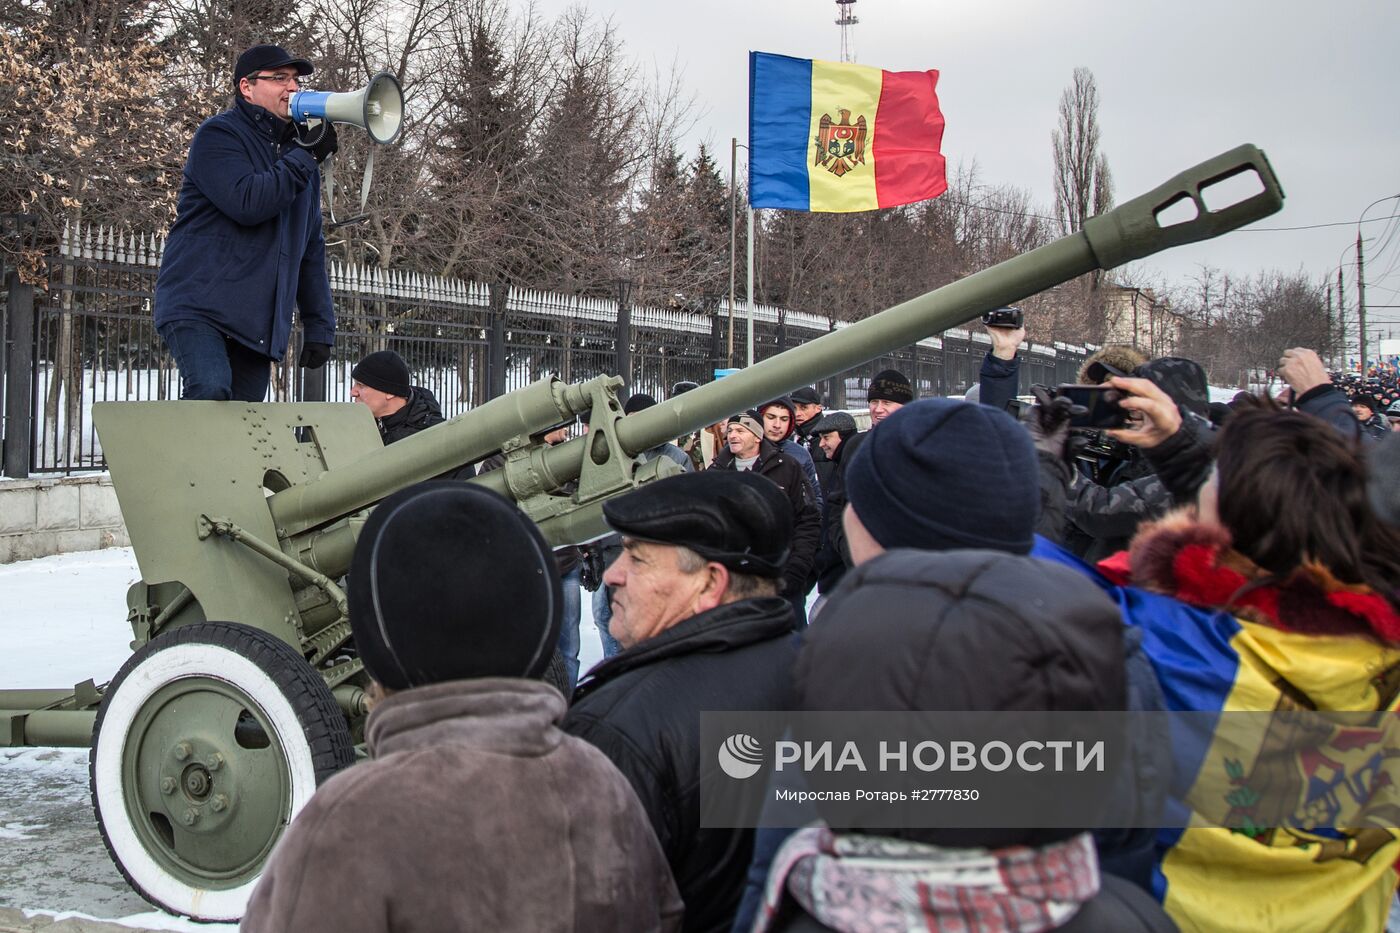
(245, 691)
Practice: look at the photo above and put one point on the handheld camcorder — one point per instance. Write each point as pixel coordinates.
(1010, 318)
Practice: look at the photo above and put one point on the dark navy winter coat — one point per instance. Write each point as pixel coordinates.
(247, 245)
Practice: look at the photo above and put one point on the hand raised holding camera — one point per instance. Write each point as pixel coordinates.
(1160, 418)
(1006, 341)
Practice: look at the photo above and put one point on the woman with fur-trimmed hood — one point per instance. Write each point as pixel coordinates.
(1277, 593)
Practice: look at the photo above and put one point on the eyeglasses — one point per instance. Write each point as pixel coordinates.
(275, 79)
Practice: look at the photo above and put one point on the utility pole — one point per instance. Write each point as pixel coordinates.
(1361, 300)
(1342, 317)
(1329, 318)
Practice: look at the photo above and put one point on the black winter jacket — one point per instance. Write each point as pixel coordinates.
(642, 709)
(830, 564)
(806, 518)
(826, 468)
(422, 411)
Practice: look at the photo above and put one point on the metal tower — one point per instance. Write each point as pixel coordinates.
(846, 19)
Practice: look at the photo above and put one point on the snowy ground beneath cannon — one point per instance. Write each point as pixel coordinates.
(62, 621)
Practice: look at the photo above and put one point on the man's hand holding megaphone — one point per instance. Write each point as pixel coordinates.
(325, 144)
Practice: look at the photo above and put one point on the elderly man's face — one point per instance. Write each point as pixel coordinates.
(829, 441)
(742, 442)
(650, 591)
(882, 408)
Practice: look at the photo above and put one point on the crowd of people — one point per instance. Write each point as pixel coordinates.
(954, 557)
(1198, 557)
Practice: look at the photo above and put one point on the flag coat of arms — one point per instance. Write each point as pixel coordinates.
(841, 137)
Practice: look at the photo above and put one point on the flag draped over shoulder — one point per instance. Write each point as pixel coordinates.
(828, 136)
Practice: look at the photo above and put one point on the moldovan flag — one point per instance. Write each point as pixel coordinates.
(827, 136)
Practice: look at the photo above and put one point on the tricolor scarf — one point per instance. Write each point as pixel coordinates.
(855, 882)
(1194, 562)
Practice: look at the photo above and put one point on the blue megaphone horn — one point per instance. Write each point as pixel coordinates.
(377, 107)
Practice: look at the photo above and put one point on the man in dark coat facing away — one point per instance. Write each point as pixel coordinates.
(696, 609)
(475, 810)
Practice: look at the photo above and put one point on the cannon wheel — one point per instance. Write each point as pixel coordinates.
(207, 743)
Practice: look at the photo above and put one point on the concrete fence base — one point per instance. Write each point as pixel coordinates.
(56, 515)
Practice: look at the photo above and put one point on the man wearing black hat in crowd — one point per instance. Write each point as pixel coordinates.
(475, 811)
(779, 420)
(696, 609)
(1367, 410)
(246, 245)
(889, 392)
(383, 384)
(807, 406)
(832, 432)
(748, 449)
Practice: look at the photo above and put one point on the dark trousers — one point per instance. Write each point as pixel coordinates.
(214, 367)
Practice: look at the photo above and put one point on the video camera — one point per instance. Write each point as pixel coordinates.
(1010, 318)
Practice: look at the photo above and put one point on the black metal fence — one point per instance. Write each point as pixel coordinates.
(93, 340)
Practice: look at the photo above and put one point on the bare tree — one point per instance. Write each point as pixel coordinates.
(1083, 186)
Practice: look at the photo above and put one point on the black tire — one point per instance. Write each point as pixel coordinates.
(208, 741)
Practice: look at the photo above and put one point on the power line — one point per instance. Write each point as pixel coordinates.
(1340, 223)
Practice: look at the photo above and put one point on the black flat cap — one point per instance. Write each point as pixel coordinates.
(736, 519)
(807, 395)
(268, 56)
(835, 421)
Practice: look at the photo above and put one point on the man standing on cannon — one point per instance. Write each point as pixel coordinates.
(247, 244)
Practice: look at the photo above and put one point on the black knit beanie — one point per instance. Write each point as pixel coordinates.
(451, 581)
(639, 402)
(386, 371)
(892, 386)
(941, 474)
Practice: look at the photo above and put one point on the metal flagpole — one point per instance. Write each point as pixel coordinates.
(733, 189)
(750, 292)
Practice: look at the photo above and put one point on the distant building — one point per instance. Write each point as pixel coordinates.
(1136, 317)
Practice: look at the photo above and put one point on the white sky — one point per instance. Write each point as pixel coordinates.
(1312, 84)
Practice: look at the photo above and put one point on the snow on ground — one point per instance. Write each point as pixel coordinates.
(63, 618)
(63, 621)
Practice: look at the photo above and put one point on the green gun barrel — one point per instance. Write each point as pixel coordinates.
(1126, 233)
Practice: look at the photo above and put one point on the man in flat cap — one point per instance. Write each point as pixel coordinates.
(696, 609)
(475, 810)
(246, 245)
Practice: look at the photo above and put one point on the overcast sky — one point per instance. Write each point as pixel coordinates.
(1314, 85)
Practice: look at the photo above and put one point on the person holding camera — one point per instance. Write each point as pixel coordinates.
(246, 245)
(1114, 487)
(1001, 368)
(1275, 594)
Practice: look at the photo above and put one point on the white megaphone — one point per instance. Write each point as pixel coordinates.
(377, 107)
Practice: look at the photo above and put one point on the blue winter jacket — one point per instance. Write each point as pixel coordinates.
(246, 244)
